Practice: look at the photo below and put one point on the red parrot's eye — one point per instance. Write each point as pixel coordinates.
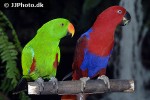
(119, 11)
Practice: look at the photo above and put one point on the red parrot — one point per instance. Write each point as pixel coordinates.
(95, 46)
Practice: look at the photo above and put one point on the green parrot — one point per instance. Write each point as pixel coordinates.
(41, 55)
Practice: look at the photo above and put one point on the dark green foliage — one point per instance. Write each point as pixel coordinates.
(8, 55)
(90, 4)
(23, 96)
(5, 23)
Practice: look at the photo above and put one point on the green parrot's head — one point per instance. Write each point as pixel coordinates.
(57, 29)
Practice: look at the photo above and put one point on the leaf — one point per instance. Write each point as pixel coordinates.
(5, 58)
(23, 96)
(11, 47)
(4, 19)
(2, 46)
(5, 52)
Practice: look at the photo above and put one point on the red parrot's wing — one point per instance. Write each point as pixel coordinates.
(78, 58)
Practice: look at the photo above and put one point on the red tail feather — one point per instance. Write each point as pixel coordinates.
(69, 97)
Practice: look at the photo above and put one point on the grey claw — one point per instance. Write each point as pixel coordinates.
(105, 79)
(83, 82)
(54, 81)
(40, 82)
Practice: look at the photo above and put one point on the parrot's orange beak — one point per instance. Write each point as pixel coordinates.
(71, 29)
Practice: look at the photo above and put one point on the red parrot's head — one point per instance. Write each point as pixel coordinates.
(115, 15)
(102, 36)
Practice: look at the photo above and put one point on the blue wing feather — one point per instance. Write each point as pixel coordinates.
(87, 33)
(93, 63)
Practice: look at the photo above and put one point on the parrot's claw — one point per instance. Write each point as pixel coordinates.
(105, 79)
(54, 81)
(40, 82)
(83, 82)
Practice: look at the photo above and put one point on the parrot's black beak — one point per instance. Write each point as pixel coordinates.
(126, 19)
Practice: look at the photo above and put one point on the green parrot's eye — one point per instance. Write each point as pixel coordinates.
(62, 24)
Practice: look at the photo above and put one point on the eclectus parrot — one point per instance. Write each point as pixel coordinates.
(95, 46)
(41, 55)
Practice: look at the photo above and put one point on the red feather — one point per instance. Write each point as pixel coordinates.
(56, 61)
(71, 97)
(102, 72)
(32, 68)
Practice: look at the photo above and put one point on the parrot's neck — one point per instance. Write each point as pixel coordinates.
(104, 32)
(104, 26)
(46, 41)
(50, 42)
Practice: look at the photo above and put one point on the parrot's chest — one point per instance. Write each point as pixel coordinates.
(45, 61)
(46, 57)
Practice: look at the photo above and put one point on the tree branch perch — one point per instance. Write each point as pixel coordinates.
(74, 87)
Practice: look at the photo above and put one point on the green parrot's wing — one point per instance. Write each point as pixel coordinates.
(28, 61)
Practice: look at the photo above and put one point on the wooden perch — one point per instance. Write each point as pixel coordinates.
(74, 87)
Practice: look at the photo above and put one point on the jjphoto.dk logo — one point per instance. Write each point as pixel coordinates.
(23, 5)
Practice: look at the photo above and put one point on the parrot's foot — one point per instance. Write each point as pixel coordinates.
(105, 79)
(40, 82)
(55, 82)
(83, 82)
